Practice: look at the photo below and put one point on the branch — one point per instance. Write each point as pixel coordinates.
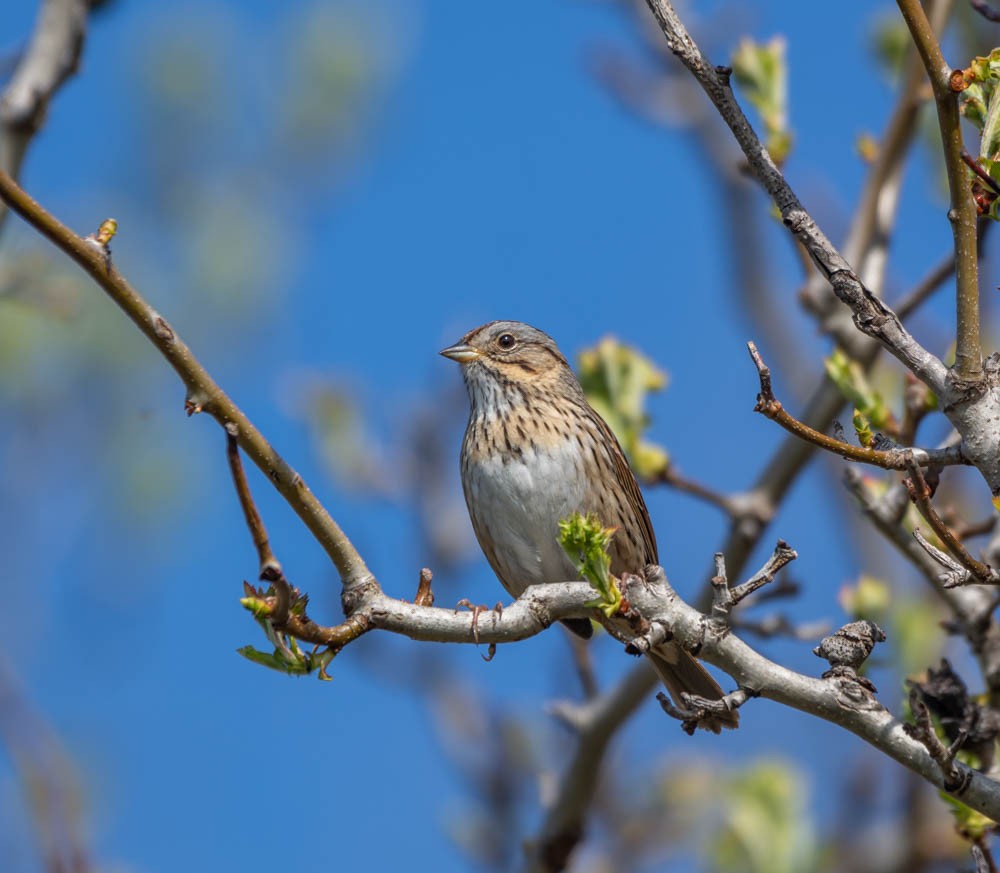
(923, 731)
(868, 240)
(971, 607)
(595, 723)
(962, 215)
(52, 56)
(969, 571)
(269, 566)
(892, 459)
(724, 597)
(203, 393)
(838, 699)
(871, 316)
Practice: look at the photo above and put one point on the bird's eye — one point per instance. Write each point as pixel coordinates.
(506, 341)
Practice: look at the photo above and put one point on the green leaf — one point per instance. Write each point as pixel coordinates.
(586, 542)
(275, 661)
(850, 380)
(762, 72)
(617, 379)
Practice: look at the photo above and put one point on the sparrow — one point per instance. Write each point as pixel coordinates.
(534, 452)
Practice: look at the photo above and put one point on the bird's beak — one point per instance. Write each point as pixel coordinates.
(461, 353)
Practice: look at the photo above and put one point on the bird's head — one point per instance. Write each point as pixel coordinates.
(504, 360)
(508, 354)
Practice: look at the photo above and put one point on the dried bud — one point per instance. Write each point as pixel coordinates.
(851, 645)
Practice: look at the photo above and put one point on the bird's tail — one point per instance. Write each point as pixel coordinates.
(682, 673)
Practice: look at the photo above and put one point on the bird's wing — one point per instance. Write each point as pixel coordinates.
(630, 488)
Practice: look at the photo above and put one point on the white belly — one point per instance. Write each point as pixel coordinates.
(516, 508)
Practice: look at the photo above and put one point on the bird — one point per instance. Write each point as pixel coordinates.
(534, 452)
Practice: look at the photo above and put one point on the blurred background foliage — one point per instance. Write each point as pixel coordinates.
(236, 136)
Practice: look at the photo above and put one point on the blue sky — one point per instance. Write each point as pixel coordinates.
(496, 179)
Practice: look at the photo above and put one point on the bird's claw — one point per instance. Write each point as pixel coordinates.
(477, 610)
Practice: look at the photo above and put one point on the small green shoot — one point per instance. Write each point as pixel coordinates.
(586, 542)
(850, 379)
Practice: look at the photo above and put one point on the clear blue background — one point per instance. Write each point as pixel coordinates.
(494, 178)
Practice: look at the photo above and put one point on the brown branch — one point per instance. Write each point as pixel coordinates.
(203, 393)
(971, 607)
(962, 214)
(893, 459)
(255, 523)
(424, 595)
(920, 493)
(269, 566)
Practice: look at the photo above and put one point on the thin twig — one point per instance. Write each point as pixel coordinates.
(269, 566)
(893, 459)
(971, 606)
(868, 240)
(255, 524)
(955, 776)
(424, 595)
(955, 574)
(962, 214)
(697, 708)
(725, 598)
(920, 494)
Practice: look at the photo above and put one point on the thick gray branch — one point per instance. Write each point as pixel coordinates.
(537, 608)
(837, 700)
